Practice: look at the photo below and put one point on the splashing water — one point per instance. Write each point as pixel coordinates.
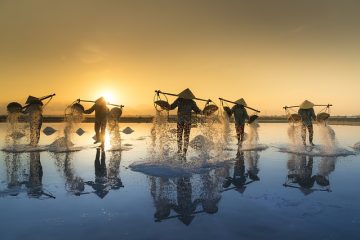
(216, 131)
(163, 137)
(253, 135)
(226, 130)
(294, 134)
(114, 133)
(72, 118)
(327, 138)
(15, 131)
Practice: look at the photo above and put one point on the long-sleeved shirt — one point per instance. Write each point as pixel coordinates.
(307, 116)
(101, 112)
(185, 107)
(240, 114)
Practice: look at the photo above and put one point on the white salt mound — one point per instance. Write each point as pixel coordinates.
(200, 142)
(61, 143)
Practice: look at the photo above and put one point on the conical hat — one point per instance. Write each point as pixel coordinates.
(100, 100)
(241, 101)
(186, 94)
(306, 105)
(32, 99)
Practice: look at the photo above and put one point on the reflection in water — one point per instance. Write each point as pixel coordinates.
(15, 169)
(186, 206)
(25, 178)
(106, 179)
(242, 177)
(73, 183)
(300, 173)
(326, 166)
(185, 195)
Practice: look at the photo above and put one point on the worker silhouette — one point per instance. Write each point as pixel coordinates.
(101, 113)
(34, 109)
(307, 114)
(185, 105)
(240, 115)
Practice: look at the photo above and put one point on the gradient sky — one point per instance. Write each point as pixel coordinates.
(272, 53)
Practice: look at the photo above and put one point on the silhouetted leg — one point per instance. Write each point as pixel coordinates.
(311, 134)
(103, 129)
(237, 133)
(303, 134)
(180, 129)
(32, 134)
(97, 131)
(241, 130)
(37, 139)
(35, 127)
(187, 128)
(240, 133)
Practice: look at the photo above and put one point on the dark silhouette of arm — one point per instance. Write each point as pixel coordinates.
(90, 110)
(195, 108)
(246, 115)
(174, 104)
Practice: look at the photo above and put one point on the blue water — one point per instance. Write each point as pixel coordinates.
(77, 197)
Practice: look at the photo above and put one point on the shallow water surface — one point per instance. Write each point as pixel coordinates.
(129, 195)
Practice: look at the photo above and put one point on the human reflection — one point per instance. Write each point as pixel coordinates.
(186, 197)
(300, 174)
(252, 159)
(100, 184)
(18, 177)
(106, 180)
(242, 176)
(14, 171)
(326, 167)
(161, 190)
(73, 184)
(185, 207)
(34, 185)
(211, 190)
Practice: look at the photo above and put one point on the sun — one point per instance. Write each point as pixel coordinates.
(109, 96)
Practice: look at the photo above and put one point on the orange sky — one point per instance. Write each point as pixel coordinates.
(272, 54)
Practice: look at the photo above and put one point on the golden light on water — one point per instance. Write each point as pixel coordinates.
(107, 141)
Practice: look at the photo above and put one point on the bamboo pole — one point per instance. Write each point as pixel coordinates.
(224, 100)
(176, 95)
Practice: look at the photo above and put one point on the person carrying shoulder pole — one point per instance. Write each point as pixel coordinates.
(185, 104)
(34, 108)
(307, 114)
(240, 115)
(101, 114)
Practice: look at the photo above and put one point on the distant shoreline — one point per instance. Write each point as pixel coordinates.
(336, 120)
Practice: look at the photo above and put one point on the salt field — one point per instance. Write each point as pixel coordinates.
(139, 189)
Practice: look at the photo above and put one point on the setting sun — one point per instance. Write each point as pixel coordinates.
(109, 97)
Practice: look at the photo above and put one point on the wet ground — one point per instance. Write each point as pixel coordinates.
(265, 194)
